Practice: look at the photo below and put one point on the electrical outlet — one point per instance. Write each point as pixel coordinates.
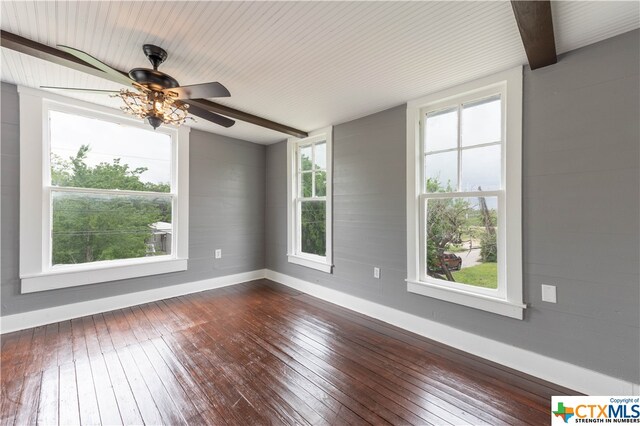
(549, 293)
(218, 254)
(376, 272)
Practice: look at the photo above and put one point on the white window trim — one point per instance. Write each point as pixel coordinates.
(511, 303)
(324, 264)
(35, 273)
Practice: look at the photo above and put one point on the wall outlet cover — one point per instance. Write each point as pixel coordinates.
(218, 254)
(549, 293)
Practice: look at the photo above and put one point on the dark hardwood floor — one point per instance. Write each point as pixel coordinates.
(253, 354)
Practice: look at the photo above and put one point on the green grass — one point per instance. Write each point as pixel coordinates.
(482, 275)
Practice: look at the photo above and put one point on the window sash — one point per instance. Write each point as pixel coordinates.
(47, 243)
(500, 291)
(459, 148)
(298, 220)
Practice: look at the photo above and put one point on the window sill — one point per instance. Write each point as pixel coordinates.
(466, 298)
(309, 263)
(76, 277)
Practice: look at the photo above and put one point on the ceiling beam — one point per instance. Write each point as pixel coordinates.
(56, 56)
(536, 30)
(245, 116)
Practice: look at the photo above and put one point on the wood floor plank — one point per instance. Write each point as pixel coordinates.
(510, 375)
(35, 358)
(392, 373)
(102, 333)
(91, 336)
(27, 413)
(189, 389)
(481, 388)
(148, 409)
(254, 353)
(9, 401)
(64, 343)
(269, 411)
(87, 401)
(385, 376)
(128, 406)
(145, 329)
(228, 400)
(15, 361)
(79, 343)
(49, 396)
(289, 405)
(105, 396)
(163, 390)
(68, 399)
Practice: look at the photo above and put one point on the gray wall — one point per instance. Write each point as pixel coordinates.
(581, 213)
(226, 210)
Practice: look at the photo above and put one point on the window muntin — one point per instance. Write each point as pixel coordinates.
(109, 188)
(462, 187)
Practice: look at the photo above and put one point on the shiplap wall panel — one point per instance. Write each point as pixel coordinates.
(305, 64)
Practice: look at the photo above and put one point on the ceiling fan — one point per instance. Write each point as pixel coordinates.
(157, 97)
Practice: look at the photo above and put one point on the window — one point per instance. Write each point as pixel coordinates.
(309, 203)
(464, 194)
(99, 191)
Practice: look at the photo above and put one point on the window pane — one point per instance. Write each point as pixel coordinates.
(321, 156)
(92, 153)
(481, 168)
(461, 240)
(305, 157)
(441, 130)
(94, 227)
(441, 171)
(481, 122)
(306, 188)
(313, 224)
(321, 184)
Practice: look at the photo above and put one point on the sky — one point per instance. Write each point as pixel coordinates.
(134, 146)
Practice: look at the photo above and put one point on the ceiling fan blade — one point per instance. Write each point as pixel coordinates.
(200, 91)
(112, 74)
(210, 116)
(77, 89)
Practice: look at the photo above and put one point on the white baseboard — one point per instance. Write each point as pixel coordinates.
(39, 317)
(563, 373)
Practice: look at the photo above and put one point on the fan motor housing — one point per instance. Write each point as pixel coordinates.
(153, 79)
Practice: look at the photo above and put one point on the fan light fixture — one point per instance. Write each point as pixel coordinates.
(154, 95)
(157, 107)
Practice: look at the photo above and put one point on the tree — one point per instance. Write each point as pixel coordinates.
(89, 227)
(446, 221)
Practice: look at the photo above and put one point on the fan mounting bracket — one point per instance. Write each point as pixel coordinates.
(155, 54)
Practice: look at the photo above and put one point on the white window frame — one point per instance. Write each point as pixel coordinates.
(507, 300)
(36, 271)
(294, 253)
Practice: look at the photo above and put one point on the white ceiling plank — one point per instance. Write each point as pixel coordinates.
(304, 64)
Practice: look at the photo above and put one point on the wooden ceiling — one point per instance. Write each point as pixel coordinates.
(303, 64)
